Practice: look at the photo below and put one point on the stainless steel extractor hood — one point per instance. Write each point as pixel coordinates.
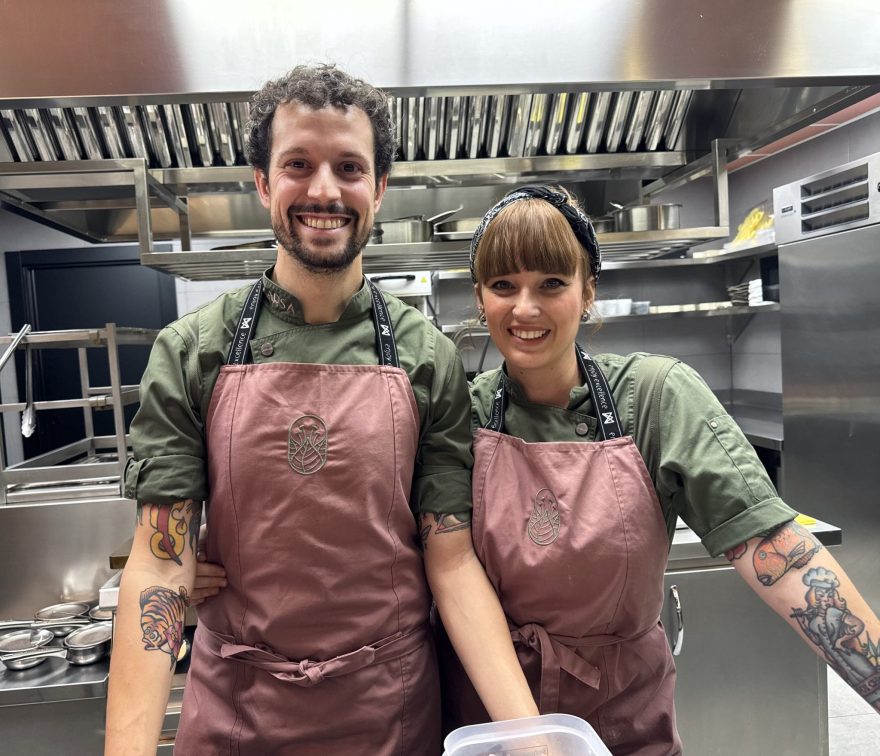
(126, 121)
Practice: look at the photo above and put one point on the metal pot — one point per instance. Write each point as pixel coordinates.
(70, 610)
(603, 225)
(86, 645)
(647, 217)
(456, 230)
(17, 648)
(414, 228)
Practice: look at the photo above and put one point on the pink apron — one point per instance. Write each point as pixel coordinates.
(319, 642)
(573, 539)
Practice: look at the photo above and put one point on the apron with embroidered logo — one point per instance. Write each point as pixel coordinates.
(572, 537)
(318, 644)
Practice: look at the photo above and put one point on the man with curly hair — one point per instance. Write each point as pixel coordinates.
(326, 428)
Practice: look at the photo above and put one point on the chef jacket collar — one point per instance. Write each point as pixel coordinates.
(287, 307)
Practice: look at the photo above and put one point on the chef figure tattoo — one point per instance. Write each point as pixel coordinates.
(828, 623)
(443, 523)
(162, 615)
(787, 547)
(177, 526)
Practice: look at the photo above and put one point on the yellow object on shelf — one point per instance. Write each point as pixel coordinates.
(803, 519)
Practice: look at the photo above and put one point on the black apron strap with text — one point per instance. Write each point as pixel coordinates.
(608, 420)
(240, 350)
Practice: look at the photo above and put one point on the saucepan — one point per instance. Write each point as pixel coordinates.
(456, 230)
(85, 645)
(647, 217)
(60, 619)
(413, 228)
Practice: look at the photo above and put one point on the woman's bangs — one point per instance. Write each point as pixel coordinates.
(528, 235)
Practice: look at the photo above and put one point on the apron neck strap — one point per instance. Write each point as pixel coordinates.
(607, 418)
(240, 350)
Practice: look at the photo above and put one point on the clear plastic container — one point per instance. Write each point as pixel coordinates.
(547, 735)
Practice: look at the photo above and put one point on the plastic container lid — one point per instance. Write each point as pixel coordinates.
(546, 735)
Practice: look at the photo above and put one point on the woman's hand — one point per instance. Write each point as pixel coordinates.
(210, 577)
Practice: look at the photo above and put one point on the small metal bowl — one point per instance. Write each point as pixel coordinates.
(100, 615)
(67, 610)
(90, 644)
(24, 641)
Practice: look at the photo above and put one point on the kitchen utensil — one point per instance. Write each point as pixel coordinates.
(29, 416)
(456, 230)
(10, 350)
(19, 641)
(647, 217)
(414, 228)
(603, 225)
(557, 734)
(90, 644)
(70, 610)
(98, 614)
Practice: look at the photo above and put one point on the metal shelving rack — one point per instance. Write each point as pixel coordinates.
(94, 465)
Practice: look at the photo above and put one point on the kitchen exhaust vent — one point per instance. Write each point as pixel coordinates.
(842, 198)
(429, 128)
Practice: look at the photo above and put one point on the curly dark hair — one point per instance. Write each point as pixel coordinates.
(319, 86)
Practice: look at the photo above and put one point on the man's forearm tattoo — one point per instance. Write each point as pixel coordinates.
(790, 546)
(176, 526)
(162, 615)
(443, 523)
(827, 622)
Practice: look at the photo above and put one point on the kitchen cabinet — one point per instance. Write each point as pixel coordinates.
(744, 678)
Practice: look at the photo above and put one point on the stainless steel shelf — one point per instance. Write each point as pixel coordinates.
(700, 310)
(208, 265)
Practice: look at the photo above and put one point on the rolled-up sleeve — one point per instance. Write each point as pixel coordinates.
(442, 473)
(167, 432)
(709, 469)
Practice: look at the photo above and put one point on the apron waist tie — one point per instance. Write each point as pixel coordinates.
(557, 655)
(307, 673)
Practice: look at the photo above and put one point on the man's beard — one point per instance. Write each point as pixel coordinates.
(326, 261)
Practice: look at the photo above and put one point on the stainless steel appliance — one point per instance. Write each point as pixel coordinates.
(829, 276)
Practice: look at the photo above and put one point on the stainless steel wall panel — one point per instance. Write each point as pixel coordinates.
(830, 347)
(418, 48)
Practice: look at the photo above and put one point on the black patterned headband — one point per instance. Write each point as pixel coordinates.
(579, 222)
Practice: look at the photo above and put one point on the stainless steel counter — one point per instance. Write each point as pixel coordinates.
(52, 681)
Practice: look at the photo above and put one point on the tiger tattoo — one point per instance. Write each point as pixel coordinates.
(162, 613)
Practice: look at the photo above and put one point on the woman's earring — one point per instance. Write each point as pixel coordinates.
(585, 317)
(482, 316)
